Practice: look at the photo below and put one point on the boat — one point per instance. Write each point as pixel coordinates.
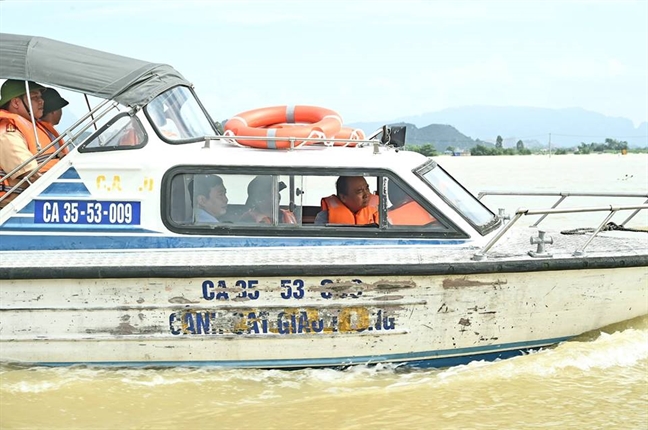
(105, 262)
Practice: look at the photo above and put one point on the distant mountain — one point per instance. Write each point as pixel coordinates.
(441, 136)
(568, 127)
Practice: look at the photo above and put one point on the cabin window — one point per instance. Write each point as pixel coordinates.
(457, 196)
(227, 199)
(403, 210)
(122, 132)
(219, 200)
(177, 116)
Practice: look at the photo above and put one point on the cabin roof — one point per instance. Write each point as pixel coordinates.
(100, 74)
(307, 156)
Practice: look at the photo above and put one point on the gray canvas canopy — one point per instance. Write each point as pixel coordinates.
(129, 81)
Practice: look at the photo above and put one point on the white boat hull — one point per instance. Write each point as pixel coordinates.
(309, 321)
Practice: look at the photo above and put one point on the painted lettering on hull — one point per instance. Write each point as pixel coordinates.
(289, 289)
(293, 321)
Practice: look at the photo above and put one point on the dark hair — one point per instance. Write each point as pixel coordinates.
(342, 185)
(260, 188)
(201, 185)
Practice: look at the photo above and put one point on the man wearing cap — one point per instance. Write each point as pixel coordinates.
(18, 142)
(52, 113)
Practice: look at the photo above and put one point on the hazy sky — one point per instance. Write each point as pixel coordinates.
(372, 60)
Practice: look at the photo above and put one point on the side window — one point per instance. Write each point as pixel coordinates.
(122, 132)
(227, 200)
(320, 204)
(404, 210)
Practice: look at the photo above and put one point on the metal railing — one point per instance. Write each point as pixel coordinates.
(579, 251)
(70, 137)
(562, 196)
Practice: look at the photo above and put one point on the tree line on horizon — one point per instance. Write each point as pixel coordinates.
(610, 145)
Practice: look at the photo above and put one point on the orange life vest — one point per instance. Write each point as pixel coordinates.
(339, 213)
(53, 134)
(411, 213)
(287, 217)
(25, 128)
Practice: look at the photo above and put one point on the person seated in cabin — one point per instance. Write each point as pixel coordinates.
(209, 197)
(352, 204)
(52, 113)
(404, 210)
(19, 139)
(261, 201)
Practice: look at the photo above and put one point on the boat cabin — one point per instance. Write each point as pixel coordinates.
(147, 159)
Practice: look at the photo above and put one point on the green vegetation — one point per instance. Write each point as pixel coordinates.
(485, 148)
(610, 145)
(428, 150)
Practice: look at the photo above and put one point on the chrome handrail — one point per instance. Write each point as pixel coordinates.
(562, 197)
(523, 212)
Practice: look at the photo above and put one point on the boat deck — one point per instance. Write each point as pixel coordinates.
(511, 253)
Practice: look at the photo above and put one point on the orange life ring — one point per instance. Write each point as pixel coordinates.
(312, 122)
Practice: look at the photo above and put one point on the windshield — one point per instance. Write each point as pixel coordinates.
(177, 116)
(456, 195)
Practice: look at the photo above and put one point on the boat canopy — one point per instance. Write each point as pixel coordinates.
(129, 81)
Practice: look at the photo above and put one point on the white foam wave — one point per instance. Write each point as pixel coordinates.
(620, 349)
(625, 349)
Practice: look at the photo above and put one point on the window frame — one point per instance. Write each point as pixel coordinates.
(84, 146)
(170, 141)
(482, 229)
(382, 231)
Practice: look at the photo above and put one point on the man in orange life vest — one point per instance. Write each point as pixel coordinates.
(353, 204)
(18, 143)
(404, 210)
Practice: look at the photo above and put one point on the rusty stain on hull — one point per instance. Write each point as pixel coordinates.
(464, 282)
(383, 284)
(181, 300)
(464, 322)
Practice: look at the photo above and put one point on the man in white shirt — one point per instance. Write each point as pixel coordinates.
(209, 198)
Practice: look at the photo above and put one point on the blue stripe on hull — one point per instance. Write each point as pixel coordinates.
(70, 242)
(70, 173)
(27, 224)
(440, 358)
